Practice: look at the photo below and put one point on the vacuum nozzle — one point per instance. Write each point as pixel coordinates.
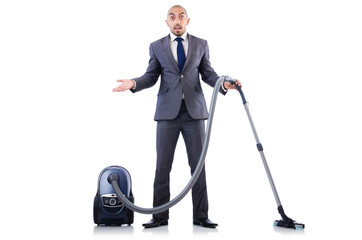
(286, 221)
(289, 224)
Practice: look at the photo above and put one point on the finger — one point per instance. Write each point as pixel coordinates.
(238, 83)
(120, 80)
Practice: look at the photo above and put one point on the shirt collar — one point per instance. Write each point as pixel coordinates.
(173, 36)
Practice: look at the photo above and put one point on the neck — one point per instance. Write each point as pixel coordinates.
(184, 35)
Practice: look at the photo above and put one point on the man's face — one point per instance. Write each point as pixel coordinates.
(177, 21)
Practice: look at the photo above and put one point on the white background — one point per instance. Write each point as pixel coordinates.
(300, 66)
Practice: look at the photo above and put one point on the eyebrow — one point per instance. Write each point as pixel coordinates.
(182, 13)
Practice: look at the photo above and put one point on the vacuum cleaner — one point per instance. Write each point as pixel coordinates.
(114, 201)
(108, 209)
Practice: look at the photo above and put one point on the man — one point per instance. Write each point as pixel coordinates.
(179, 58)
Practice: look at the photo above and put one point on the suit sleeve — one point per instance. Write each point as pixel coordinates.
(152, 73)
(208, 74)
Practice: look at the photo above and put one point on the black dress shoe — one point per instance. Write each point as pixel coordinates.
(155, 222)
(205, 222)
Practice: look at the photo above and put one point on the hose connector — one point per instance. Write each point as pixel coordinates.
(229, 79)
(113, 177)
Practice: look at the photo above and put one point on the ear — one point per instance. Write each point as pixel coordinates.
(166, 21)
(188, 20)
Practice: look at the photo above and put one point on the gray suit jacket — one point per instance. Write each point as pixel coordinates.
(174, 82)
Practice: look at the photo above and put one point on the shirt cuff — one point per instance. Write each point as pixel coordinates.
(134, 87)
(223, 88)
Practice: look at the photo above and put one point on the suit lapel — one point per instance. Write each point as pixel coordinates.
(189, 52)
(166, 45)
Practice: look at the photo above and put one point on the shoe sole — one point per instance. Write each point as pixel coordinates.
(206, 226)
(154, 226)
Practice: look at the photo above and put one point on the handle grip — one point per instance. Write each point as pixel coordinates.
(233, 81)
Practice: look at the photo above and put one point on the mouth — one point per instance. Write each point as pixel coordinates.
(177, 28)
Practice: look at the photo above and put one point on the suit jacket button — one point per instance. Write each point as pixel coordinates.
(182, 76)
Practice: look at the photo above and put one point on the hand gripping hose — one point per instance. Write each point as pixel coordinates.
(113, 178)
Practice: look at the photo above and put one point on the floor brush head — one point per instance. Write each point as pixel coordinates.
(289, 224)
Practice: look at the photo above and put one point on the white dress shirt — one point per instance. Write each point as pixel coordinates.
(173, 44)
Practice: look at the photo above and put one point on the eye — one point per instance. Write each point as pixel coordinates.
(181, 17)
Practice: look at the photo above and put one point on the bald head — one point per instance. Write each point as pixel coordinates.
(177, 6)
(177, 20)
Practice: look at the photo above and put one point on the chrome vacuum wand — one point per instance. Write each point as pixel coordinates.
(285, 221)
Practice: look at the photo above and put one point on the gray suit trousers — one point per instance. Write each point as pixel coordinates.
(193, 132)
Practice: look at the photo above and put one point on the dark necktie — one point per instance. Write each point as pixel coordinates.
(181, 58)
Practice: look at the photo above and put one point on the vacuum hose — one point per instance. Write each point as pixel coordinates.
(114, 178)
